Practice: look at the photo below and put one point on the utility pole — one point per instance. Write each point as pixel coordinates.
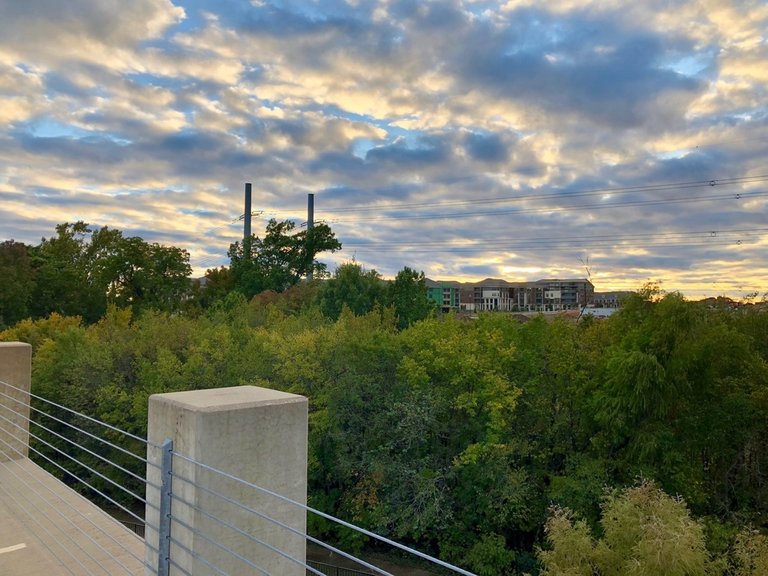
(247, 222)
(310, 225)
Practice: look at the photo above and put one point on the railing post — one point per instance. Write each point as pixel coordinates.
(253, 434)
(166, 493)
(15, 370)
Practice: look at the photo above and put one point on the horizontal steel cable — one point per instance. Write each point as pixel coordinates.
(140, 520)
(339, 521)
(218, 545)
(73, 459)
(76, 477)
(312, 539)
(81, 447)
(256, 487)
(197, 556)
(67, 520)
(244, 533)
(178, 567)
(285, 526)
(32, 517)
(94, 420)
(86, 518)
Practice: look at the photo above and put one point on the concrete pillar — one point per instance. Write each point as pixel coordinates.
(255, 434)
(15, 370)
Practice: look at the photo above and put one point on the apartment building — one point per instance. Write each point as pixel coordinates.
(610, 299)
(547, 295)
(444, 294)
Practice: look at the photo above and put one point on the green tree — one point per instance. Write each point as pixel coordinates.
(408, 294)
(17, 282)
(214, 286)
(81, 271)
(645, 531)
(134, 273)
(281, 258)
(63, 284)
(352, 286)
(681, 398)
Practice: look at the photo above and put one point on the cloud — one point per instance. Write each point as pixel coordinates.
(458, 137)
(81, 29)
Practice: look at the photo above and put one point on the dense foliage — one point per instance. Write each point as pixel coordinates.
(82, 270)
(458, 436)
(280, 259)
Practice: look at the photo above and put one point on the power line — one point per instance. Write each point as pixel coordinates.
(558, 195)
(703, 236)
(553, 245)
(563, 209)
(669, 239)
(560, 209)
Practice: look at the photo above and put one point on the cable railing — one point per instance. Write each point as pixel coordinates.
(196, 519)
(82, 542)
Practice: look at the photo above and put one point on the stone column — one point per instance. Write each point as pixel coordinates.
(15, 382)
(255, 434)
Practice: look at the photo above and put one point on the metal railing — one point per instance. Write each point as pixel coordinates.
(59, 440)
(331, 570)
(81, 541)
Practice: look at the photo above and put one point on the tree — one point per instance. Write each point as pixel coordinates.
(81, 271)
(63, 283)
(352, 286)
(134, 273)
(408, 294)
(217, 283)
(280, 259)
(750, 554)
(645, 531)
(16, 282)
(681, 399)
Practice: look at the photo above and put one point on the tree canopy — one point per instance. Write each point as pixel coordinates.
(281, 258)
(17, 282)
(81, 270)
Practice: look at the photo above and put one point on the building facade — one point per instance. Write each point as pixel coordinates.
(446, 295)
(548, 295)
(610, 299)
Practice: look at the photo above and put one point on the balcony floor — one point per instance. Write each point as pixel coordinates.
(47, 529)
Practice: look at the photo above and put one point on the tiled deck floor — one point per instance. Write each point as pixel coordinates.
(46, 529)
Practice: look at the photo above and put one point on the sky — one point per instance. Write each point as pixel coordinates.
(624, 141)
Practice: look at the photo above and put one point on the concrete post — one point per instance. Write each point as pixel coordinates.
(16, 370)
(255, 434)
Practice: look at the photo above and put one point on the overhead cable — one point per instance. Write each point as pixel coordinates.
(556, 195)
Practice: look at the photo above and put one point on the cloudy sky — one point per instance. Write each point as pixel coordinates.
(521, 139)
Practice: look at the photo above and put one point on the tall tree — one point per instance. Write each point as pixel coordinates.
(81, 270)
(352, 286)
(16, 282)
(63, 284)
(281, 258)
(408, 294)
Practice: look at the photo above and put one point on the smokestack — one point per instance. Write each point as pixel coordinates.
(247, 222)
(310, 225)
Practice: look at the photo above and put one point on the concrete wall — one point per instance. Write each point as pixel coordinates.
(15, 370)
(255, 434)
